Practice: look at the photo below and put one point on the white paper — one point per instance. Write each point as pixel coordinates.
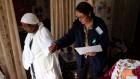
(83, 50)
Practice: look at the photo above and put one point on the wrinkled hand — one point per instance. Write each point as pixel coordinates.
(91, 53)
(52, 48)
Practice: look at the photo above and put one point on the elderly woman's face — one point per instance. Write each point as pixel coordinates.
(30, 28)
(82, 17)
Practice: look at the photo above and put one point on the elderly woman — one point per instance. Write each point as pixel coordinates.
(36, 56)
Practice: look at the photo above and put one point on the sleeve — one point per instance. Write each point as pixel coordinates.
(45, 58)
(67, 39)
(103, 39)
(44, 40)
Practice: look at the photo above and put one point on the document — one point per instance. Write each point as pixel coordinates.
(83, 50)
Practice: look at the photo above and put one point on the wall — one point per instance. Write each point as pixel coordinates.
(24, 6)
(45, 6)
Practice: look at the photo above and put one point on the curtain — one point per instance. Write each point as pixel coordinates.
(10, 48)
(62, 16)
(124, 19)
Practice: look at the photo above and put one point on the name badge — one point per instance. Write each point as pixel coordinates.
(99, 30)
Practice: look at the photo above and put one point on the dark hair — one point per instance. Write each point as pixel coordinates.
(85, 8)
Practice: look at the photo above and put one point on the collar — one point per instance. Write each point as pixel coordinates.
(90, 26)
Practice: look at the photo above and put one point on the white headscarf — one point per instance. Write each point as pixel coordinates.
(29, 18)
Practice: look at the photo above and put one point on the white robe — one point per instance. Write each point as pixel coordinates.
(46, 65)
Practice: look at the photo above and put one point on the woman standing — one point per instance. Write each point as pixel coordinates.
(87, 30)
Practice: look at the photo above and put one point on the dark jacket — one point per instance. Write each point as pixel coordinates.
(76, 35)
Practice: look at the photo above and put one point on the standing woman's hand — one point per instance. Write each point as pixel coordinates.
(91, 53)
(52, 48)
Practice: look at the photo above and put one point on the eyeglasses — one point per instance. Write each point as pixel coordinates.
(80, 17)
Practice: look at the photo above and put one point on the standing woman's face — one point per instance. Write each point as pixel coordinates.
(30, 28)
(84, 19)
